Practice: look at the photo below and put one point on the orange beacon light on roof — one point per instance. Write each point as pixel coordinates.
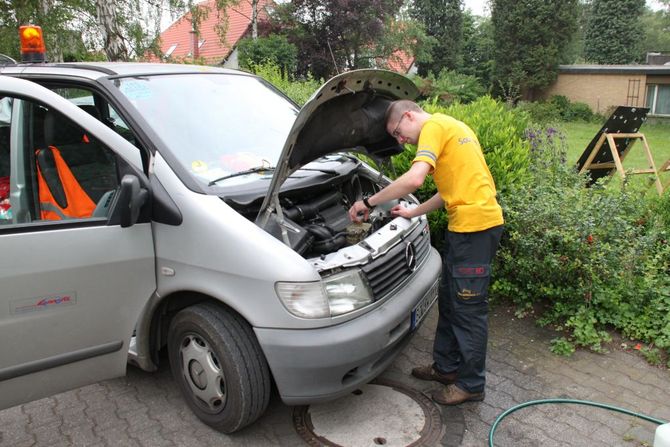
(32, 44)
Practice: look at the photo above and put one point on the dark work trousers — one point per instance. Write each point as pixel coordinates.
(462, 327)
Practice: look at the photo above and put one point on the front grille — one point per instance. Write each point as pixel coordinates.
(389, 271)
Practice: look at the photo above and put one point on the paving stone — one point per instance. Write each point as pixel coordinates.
(117, 436)
(48, 434)
(15, 434)
(14, 415)
(81, 435)
(146, 409)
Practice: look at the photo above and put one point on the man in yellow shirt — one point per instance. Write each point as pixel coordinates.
(448, 150)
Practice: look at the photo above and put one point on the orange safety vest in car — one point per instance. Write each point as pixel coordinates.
(75, 203)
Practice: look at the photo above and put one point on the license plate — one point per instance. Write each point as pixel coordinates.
(422, 308)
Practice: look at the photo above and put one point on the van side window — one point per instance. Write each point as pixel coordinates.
(57, 171)
(5, 120)
(97, 106)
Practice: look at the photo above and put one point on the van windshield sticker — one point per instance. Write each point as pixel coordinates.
(136, 90)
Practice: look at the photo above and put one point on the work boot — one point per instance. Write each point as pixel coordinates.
(429, 372)
(453, 395)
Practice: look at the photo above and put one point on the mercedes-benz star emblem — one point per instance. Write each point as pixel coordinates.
(410, 257)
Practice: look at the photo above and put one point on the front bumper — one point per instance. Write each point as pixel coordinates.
(321, 364)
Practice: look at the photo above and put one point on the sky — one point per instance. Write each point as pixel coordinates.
(480, 7)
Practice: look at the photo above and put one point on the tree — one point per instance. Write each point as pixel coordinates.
(55, 18)
(334, 35)
(531, 38)
(254, 19)
(613, 35)
(75, 30)
(478, 48)
(656, 26)
(115, 45)
(575, 51)
(273, 49)
(442, 20)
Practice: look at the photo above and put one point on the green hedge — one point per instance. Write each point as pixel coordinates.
(557, 108)
(588, 259)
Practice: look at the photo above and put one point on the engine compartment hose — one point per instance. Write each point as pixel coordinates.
(568, 401)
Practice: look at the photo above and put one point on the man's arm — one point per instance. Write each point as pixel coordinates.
(426, 207)
(407, 183)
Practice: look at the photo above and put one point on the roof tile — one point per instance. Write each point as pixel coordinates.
(211, 47)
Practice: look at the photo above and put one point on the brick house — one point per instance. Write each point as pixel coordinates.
(179, 41)
(605, 86)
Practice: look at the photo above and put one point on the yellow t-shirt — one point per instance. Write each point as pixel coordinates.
(460, 172)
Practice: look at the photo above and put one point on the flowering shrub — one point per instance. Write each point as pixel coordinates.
(591, 258)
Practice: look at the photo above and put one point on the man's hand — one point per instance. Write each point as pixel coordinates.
(401, 211)
(358, 208)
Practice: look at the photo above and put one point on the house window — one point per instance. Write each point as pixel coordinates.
(658, 99)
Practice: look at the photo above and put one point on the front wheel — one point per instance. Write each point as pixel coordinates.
(219, 366)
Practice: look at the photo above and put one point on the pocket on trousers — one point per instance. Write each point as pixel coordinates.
(471, 282)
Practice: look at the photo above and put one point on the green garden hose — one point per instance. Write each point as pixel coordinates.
(568, 401)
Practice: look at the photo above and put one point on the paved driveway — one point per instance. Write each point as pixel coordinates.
(144, 409)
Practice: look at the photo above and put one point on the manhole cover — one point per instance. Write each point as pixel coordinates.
(383, 412)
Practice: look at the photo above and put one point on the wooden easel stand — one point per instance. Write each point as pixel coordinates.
(618, 159)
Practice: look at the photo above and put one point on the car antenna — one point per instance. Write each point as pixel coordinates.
(332, 56)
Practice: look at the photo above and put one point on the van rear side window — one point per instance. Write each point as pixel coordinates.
(51, 169)
(5, 119)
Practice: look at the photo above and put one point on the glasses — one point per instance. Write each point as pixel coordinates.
(396, 132)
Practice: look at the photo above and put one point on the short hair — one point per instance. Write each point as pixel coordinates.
(397, 108)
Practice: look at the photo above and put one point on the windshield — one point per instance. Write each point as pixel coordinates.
(215, 124)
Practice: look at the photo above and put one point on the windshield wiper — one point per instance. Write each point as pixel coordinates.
(245, 172)
(325, 171)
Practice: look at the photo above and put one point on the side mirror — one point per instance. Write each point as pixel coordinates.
(131, 198)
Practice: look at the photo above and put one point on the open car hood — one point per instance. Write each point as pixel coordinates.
(345, 114)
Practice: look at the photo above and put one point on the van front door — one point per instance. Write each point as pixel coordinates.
(72, 280)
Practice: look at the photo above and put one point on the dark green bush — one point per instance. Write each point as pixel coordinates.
(579, 111)
(540, 112)
(450, 87)
(661, 206)
(273, 49)
(591, 258)
(557, 108)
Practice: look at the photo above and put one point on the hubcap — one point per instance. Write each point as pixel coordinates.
(197, 374)
(203, 374)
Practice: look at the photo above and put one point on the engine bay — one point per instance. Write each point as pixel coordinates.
(313, 220)
(317, 221)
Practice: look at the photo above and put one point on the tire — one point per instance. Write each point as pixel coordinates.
(219, 366)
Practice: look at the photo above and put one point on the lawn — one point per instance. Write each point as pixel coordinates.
(579, 135)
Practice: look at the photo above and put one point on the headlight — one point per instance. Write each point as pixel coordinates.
(304, 299)
(334, 295)
(346, 292)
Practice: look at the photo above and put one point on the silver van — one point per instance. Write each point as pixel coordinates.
(197, 212)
